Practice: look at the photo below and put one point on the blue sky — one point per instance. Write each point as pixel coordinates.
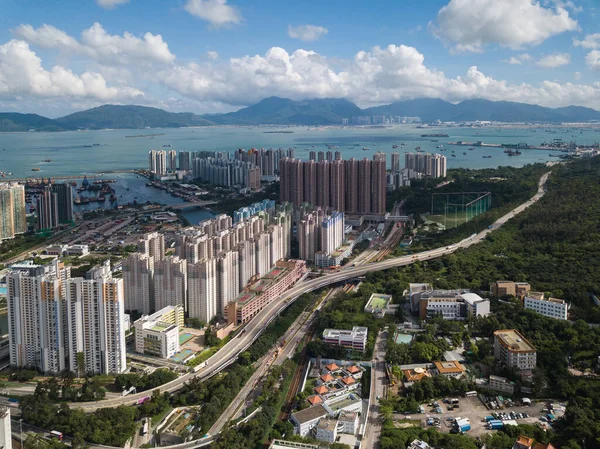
(219, 55)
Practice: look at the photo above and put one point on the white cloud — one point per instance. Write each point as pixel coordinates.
(22, 74)
(307, 33)
(97, 44)
(212, 55)
(591, 41)
(109, 4)
(519, 59)
(470, 25)
(555, 60)
(217, 12)
(577, 76)
(381, 75)
(592, 60)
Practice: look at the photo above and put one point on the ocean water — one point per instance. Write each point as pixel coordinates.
(71, 154)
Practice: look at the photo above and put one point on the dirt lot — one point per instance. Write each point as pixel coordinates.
(473, 409)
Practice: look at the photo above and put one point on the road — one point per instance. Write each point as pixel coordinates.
(229, 353)
(378, 382)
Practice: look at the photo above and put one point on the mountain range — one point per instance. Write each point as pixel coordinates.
(282, 111)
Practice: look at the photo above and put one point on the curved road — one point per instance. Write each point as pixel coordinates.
(229, 353)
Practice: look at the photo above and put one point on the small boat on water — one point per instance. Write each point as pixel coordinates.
(394, 146)
(366, 149)
(464, 154)
(85, 200)
(471, 149)
(47, 160)
(487, 157)
(77, 200)
(35, 169)
(101, 199)
(454, 155)
(440, 146)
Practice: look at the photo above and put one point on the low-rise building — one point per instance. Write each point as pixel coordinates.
(418, 444)
(282, 444)
(501, 384)
(378, 305)
(450, 369)
(476, 305)
(327, 430)
(158, 334)
(509, 288)
(551, 307)
(348, 422)
(355, 339)
(306, 420)
(513, 350)
(410, 376)
(523, 442)
(347, 402)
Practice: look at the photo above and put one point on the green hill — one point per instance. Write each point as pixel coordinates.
(15, 122)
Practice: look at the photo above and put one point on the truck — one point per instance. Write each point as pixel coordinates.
(489, 418)
(495, 425)
(464, 427)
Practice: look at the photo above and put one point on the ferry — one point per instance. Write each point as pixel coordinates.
(35, 169)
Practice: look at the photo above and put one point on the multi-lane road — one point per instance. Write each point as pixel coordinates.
(229, 353)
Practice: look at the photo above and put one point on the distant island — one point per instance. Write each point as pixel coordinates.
(283, 111)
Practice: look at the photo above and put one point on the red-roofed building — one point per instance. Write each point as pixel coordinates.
(314, 400)
(321, 389)
(353, 369)
(327, 378)
(523, 442)
(332, 367)
(348, 380)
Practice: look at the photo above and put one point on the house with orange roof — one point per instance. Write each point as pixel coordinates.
(326, 378)
(348, 380)
(332, 367)
(314, 399)
(321, 389)
(523, 442)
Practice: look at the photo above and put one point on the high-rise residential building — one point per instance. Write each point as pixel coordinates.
(157, 162)
(185, 160)
(170, 282)
(47, 209)
(171, 160)
(64, 196)
(351, 186)
(395, 163)
(138, 273)
(12, 210)
(96, 324)
(226, 172)
(329, 156)
(228, 282)
(152, 245)
(202, 289)
(331, 229)
(37, 316)
(320, 156)
(433, 165)
(320, 231)
(5, 428)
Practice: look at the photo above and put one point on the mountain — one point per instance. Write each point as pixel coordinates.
(282, 111)
(13, 121)
(430, 109)
(130, 117)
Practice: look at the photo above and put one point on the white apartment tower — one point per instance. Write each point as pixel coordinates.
(332, 232)
(202, 289)
(228, 282)
(170, 282)
(157, 162)
(12, 210)
(138, 272)
(37, 316)
(5, 429)
(152, 245)
(96, 316)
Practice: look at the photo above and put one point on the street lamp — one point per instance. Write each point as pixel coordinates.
(21, 426)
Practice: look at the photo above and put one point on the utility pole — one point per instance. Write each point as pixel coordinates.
(21, 426)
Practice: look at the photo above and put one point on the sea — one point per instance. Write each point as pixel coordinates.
(93, 153)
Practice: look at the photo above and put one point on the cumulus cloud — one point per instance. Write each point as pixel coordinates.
(592, 60)
(591, 41)
(109, 4)
(577, 76)
(555, 60)
(307, 33)
(216, 12)
(519, 59)
(380, 75)
(22, 74)
(97, 44)
(470, 25)
(212, 55)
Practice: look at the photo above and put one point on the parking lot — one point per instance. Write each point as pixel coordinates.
(474, 410)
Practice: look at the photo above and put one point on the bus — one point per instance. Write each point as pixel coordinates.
(470, 394)
(56, 434)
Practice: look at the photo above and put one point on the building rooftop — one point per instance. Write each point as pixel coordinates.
(472, 298)
(348, 380)
(314, 399)
(412, 375)
(327, 424)
(282, 444)
(162, 327)
(332, 367)
(343, 401)
(353, 369)
(512, 339)
(347, 416)
(452, 367)
(321, 389)
(524, 441)
(310, 413)
(326, 377)
(535, 295)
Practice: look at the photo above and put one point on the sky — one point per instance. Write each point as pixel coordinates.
(57, 57)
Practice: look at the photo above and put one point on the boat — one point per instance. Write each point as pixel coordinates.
(167, 146)
(435, 135)
(487, 157)
(440, 146)
(77, 200)
(394, 146)
(47, 160)
(112, 198)
(95, 144)
(85, 200)
(366, 149)
(35, 169)
(454, 155)
(464, 154)
(514, 153)
(471, 149)
(101, 199)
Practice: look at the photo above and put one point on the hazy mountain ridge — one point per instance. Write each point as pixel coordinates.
(283, 111)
